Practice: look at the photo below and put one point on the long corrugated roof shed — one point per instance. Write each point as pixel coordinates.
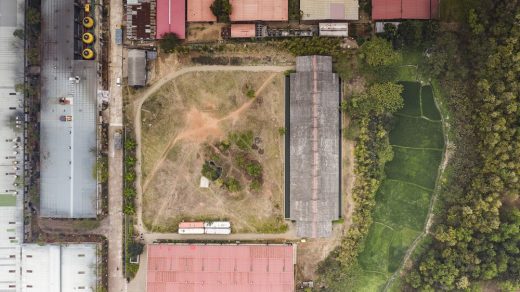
(67, 160)
(171, 17)
(264, 10)
(199, 11)
(136, 67)
(11, 144)
(314, 146)
(405, 9)
(220, 268)
(330, 9)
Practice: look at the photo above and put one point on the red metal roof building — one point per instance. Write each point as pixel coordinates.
(220, 268)
(405, 9)
(199, 11)
(246, 30)
(171, 17)
(265, 10)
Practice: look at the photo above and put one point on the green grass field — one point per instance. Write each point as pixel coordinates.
(403, 198)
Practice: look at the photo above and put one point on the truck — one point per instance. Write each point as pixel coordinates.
(191, 231)
(65, 100)
(217, 231)
(66, 118)
(217, 224)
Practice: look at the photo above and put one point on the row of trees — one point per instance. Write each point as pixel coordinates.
(477, 231)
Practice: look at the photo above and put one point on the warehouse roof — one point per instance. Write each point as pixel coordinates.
(405, 9)
(11, 143)
(199, 11)
(136, 67)
(141, 20)
(59, 268)
(68, 188)
(265, 10)
(220, 268)
(314, 146)
(171, 17)
(330, 9)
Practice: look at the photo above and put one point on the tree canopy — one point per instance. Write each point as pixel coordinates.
(379, 52)
(221, 9)
(169, 42)
(378, 99)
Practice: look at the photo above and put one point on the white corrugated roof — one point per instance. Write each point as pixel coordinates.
(328, 9)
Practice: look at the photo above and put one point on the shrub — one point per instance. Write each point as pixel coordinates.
(254, 169)
(221, 9)
(281, 131)
(250, 93)
(169, 42)
(232, 184)
(243, 140)
(255, 185)
(210, 171)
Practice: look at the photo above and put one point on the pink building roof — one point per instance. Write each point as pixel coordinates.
(404, 9)
(199, 11)
(191, 224)
(171, 17)
(266, 10)
(220, 268)
(243, 30)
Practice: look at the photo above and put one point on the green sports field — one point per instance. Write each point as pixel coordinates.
(403, 198)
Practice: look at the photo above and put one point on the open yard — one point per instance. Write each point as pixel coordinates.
(404, 196)
(230, 123)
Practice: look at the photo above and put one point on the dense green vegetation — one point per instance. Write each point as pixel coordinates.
(370, 112)
(221, 9)
(403, 198)
(169, 42)
(477, 235)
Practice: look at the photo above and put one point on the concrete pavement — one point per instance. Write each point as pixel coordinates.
(116, 278)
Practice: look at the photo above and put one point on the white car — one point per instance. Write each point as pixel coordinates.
(118, 81)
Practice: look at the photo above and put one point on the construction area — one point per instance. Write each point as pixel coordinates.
(231, 120)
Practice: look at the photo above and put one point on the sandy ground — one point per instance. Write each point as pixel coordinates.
(204, 32)
(179, 124)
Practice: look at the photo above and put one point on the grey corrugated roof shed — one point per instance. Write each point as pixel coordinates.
(136, 67)
(67, 151)
(314, 146)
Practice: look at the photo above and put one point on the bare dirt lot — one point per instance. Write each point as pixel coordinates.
(185, 123)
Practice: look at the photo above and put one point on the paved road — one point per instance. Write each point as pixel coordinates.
(116, 279)
(138, 103)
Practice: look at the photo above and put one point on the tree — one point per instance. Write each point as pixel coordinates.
(19, 33)
(169, 42)
(33, 16)
(221, 9)
(380, 98)
(379, 52)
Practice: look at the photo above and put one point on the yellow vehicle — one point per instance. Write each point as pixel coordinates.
(87, 8)
(87, 54)
(88, 22)
(88, 38)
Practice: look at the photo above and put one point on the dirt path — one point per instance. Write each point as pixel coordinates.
(200, 126)
(138, 103)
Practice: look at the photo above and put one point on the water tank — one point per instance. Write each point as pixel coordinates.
(88, 38)
(88, 22)
(87, 54)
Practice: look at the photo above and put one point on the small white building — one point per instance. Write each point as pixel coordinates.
(334, 29)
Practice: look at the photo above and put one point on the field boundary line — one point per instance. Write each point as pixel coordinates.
(419, 117)
(381, 223)
(410, 183)
(433, 200)
(417, 148)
